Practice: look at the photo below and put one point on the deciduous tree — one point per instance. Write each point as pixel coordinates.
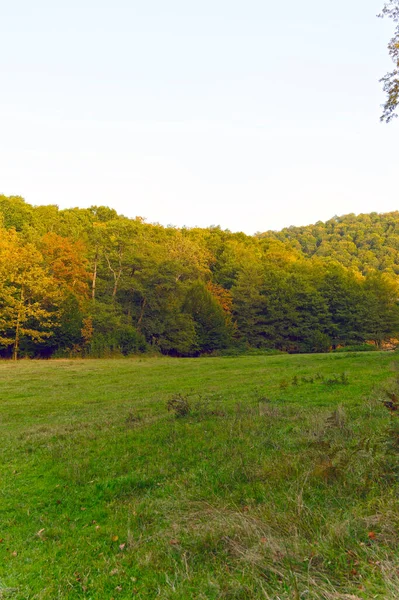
(29, 296)
(391, 79)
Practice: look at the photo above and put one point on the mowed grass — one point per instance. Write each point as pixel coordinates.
(280, 483)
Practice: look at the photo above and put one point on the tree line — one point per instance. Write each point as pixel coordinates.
(90, 282)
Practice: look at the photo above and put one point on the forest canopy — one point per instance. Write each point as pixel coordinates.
(90, 282)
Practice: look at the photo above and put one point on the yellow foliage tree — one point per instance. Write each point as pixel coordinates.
(29, 298)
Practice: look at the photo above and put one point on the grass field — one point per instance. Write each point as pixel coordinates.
(280, 481)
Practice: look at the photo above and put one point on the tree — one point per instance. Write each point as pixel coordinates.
(342, 291)
(381, 315)
(248, 303)
(66, 262)
(210, 324)
(29, 297)
(15, 211)
(391, 80)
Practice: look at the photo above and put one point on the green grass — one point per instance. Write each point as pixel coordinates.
(280, 483)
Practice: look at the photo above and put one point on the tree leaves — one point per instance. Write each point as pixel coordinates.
(391, 80)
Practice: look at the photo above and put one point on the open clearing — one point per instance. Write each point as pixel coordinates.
(281, 482)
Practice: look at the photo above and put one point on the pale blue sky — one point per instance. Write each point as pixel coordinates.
(253, 115)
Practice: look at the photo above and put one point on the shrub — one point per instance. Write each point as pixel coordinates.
(179, 405)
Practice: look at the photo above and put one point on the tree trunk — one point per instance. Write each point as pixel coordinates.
(16, 343)
(143, 305)
(93, 285)
(116, 275)
(17, 328)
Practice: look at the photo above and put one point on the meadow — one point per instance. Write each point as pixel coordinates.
(270, 477)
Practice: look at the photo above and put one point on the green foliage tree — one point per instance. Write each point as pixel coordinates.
(248, 304)
(15, 211)
(381, 314)
(112, 333)
(209, 319)
(391, 80)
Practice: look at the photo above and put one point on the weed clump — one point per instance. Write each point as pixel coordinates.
(132, 419)
(335, 379)
(337, 418)
(338, 380)
(392, 404)
(198, 407)
(179, 405)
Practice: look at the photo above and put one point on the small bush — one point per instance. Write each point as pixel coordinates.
(179, 405)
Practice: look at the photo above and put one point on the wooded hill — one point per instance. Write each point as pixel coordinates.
(367, 242)
(92, 282)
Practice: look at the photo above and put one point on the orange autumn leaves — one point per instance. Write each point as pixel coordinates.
(223, 297)
(66, 262)
(34, 281)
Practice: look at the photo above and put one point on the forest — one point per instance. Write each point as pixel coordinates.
(90, 282)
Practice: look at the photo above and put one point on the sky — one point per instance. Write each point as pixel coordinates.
(250, 115)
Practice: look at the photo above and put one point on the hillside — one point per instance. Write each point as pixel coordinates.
(366, 241)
